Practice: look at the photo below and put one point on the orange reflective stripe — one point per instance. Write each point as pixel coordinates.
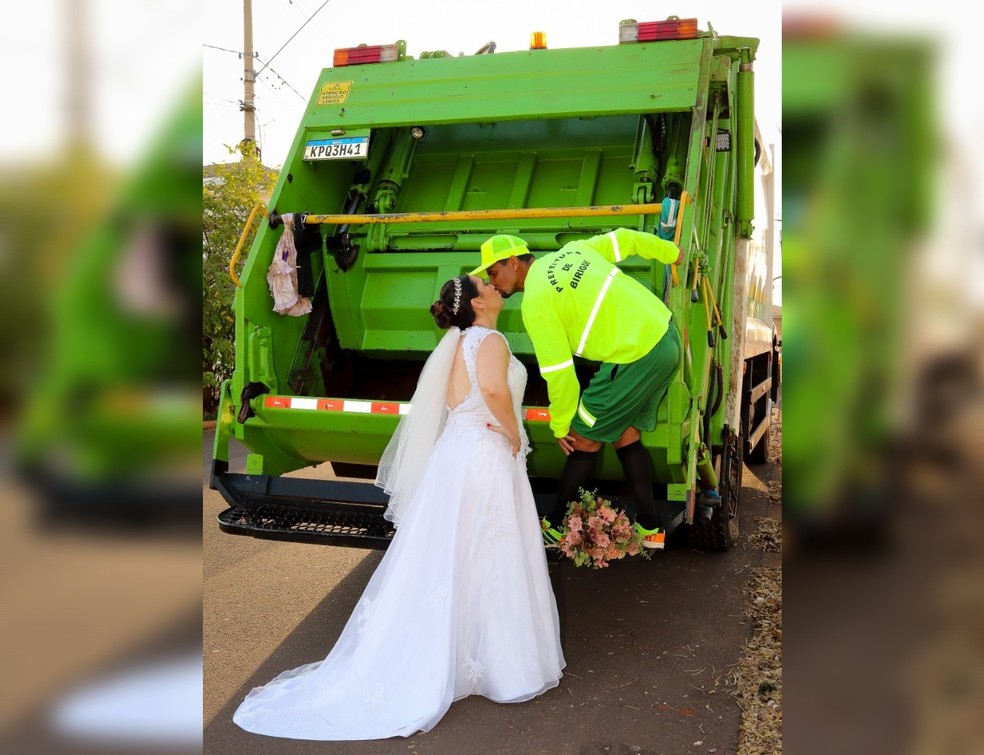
(336, 405)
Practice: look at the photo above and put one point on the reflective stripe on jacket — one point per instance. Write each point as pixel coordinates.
(576, 302)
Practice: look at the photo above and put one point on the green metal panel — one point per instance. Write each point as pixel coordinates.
(514, 86)
(745, 121)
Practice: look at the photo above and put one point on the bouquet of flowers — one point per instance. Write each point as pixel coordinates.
(593, 533)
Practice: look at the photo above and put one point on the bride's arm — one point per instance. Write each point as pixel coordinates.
(491, 365)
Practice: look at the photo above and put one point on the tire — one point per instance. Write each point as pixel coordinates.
(720, 533)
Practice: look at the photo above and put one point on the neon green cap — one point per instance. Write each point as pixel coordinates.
(498, 248)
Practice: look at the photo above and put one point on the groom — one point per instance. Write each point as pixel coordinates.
(577, 303)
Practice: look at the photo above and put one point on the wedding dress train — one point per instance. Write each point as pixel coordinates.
(461, 603)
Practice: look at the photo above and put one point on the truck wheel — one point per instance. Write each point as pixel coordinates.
(720, 532)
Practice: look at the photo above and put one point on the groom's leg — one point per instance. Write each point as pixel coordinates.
(637, 466)
(578, 473)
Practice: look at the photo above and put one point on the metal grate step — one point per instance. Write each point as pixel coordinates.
(350, 526)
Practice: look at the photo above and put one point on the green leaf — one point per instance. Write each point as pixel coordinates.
(226, 205)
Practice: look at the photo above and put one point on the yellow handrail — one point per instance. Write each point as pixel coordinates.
(451, 216)
(516, 214)
(679, 227)
(242, 238)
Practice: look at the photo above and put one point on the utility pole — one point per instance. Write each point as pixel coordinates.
(249, 78)
(77, 59)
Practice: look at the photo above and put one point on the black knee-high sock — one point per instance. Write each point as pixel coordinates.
(578, 471)
(638, 469)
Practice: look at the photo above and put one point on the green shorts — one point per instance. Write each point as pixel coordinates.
(621, 396)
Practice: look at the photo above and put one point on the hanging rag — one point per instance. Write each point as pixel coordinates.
(282, 275)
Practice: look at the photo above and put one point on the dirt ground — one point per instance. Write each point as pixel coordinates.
(756, 680)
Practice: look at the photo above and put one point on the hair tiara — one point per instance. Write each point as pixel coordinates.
(457, 296)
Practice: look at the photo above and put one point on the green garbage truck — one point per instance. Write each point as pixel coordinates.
(402, 167)
(886, 338)
(108, 432)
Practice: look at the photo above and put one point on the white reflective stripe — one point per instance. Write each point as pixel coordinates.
(588, 419)
(673, 215)
(303, 403)
(618, 252)
(583, 408)
(360, 407)
(555, 367)
(594, 310)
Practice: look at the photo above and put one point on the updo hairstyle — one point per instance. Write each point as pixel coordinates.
(453, 306)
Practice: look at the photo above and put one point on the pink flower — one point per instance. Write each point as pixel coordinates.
(596, 534)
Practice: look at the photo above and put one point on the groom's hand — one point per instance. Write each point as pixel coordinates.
(566, 444)
(574, 442)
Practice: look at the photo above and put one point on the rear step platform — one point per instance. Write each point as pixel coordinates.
(333, 523)
(332, 512)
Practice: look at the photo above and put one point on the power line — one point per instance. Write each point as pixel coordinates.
(281, 78)
(303, 9)
(274, 72)
(272, 93)
(273, 90)
(224, 49)
(294, 35)
(222, 99)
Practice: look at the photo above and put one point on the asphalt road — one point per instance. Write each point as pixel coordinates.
(648, 644)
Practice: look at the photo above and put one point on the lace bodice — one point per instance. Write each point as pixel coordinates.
(473, 411)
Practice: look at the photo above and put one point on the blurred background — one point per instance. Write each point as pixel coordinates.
(884, 308)
(100, 418)
(100, 411)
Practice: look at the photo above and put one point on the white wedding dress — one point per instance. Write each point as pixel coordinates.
(461, 603)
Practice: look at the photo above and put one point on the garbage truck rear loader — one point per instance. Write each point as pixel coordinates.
(401, 168)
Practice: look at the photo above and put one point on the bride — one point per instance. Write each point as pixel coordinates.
(461, 603)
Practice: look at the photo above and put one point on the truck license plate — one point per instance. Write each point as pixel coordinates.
(341, 148)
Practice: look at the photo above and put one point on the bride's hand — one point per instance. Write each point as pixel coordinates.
(513, 438)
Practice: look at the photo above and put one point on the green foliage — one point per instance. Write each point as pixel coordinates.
(226, 204)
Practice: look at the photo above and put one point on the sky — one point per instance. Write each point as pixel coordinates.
(285, 85)
(140, 56)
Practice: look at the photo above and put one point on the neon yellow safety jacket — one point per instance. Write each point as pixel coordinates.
(576, 302)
